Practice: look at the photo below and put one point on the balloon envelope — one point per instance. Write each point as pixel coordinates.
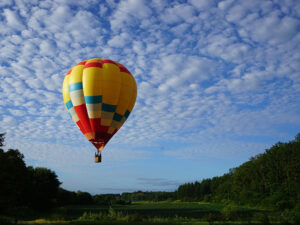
(99, 95)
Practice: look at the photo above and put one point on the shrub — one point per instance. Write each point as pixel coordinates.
(113, 214)
(262, 218)
(135, 217)
(230, 212)
(211, 218)
(92, 216)
(207, 198)
(284, 204)
(4, 220)
(290, 217)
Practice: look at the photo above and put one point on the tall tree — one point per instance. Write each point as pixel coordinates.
(44, 186)
(24, 186)
(13, 179)
(271, 178)
(2, 136)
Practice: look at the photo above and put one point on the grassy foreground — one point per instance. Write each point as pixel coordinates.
(156, 213)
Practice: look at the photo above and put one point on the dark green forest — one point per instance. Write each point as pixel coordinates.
(271, 180)
(24, 187)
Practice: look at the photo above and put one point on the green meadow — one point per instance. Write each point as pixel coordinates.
(144, 212)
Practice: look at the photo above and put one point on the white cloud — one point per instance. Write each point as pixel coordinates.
(5, 3)
(178, 13)
(180, 29)
(13, 19)
(236, 13)
(119, 40)
(37, 20)
(275, 30)
(34, 83)
(129, 11)
(48, 48)
(202, 4)
(8, 123)
(88, 25)
(17, 112)
(223, 5)
(181, 69)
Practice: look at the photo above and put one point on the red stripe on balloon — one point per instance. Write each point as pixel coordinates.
(93, 64)
(81, 63)
(95, 124)
(115, 131)
(69, 72)
(123, 69)
(102, 136)
(83, 117)
(103, 129)
(108, 61)
(80, 127)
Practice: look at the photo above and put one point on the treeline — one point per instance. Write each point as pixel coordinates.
(24, 187)
(38, 188)
(148, 196)
(268, 179)
(65, 197)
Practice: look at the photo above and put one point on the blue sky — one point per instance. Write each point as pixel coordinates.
(218, 82)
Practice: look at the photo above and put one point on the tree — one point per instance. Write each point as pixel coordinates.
(13, 179)
(24, 186)
(44, 186)
(2, 137)
(84, 198)
(268, 179)
(65, 197)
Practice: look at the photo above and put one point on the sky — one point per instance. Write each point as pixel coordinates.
(218, 82)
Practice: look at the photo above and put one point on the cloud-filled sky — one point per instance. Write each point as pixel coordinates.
(218, 82)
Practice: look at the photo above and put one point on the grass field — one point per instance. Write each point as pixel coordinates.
(154, 213)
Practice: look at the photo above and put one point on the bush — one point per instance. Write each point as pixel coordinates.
(230, 212)
(135, 217)
(4, 220)
(113, 214)
(284, 204)
(290, 217)
(92, 216)
(262, 218)
(207, 198)
(211, 218)
(122, 202)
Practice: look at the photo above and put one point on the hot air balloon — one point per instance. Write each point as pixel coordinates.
(99, 95)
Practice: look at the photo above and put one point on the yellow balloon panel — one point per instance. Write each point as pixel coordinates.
(111, 92)
(134, 91)
(92, 82)
(111, 72)
(76, 74)
(125, 94)
(65, 90)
